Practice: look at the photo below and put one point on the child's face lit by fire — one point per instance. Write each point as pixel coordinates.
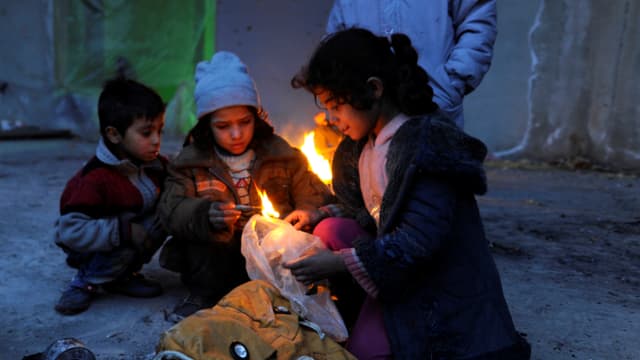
(352, 122)
(233, 128)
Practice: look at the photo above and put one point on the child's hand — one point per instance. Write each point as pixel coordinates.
(309, 269)
(140, 237)
(132, 233)
(303, 218)
(223, 215)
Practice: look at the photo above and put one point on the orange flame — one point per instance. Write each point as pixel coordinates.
(319, 165)
(267, 207)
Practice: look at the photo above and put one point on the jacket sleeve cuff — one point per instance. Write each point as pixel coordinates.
(358, 271)
(332, 210)
(124, 227)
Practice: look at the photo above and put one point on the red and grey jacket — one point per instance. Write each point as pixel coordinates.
(99, 201)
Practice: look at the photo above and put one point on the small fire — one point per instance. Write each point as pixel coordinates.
(267, 207)
(319, 165)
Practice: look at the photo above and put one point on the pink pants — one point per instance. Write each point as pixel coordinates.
(368, 340)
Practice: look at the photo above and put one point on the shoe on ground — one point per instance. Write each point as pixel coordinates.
(75, 299)
(134, 285)
(189, 306)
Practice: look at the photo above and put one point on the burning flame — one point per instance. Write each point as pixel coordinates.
(267, 207)
(319, 165)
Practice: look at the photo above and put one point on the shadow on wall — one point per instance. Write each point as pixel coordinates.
(582, 94)
(275, 38)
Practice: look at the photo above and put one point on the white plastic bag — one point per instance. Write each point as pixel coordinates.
(267, 243)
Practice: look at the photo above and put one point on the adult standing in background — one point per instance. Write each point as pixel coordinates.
(454, 39)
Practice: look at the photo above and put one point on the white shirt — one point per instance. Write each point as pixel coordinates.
(372, 166)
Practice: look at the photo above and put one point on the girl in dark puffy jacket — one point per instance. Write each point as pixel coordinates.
(408, 177)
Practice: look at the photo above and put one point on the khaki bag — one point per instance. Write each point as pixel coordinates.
(252, 322)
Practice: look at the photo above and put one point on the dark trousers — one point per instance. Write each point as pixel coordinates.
(212, 270)
(102, 267)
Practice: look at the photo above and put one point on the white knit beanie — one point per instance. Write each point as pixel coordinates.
(223, 81)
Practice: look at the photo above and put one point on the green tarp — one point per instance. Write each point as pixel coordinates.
(155, 42)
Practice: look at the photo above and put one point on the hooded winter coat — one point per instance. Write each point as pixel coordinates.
(438, 284)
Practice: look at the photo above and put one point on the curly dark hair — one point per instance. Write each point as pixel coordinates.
(345, 60)
(201, 135)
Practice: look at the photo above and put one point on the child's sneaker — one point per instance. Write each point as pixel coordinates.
(189, 306)
(75, 299)
(134, 285)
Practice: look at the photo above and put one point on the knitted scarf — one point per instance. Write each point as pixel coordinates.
(240, 170)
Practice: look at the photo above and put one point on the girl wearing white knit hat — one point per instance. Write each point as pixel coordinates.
(230, 152)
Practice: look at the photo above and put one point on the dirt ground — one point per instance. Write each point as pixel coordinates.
(567, 244)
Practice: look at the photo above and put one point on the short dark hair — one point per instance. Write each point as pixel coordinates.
(123, 100)
(201, 135)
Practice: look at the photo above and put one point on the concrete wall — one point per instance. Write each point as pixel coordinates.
(26, 62)
(584, 83)
(497, 111)
(55, 56)
(562, 84)
(276, 37)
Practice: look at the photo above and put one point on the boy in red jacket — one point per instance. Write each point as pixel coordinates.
(107, 225)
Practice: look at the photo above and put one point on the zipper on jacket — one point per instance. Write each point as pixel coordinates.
(224, 180)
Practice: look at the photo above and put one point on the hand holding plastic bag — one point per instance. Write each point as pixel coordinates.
(267, 243)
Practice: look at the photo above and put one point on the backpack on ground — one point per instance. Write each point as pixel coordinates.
(254, 321)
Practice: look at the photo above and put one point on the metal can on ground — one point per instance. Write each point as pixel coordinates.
(68, 349)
